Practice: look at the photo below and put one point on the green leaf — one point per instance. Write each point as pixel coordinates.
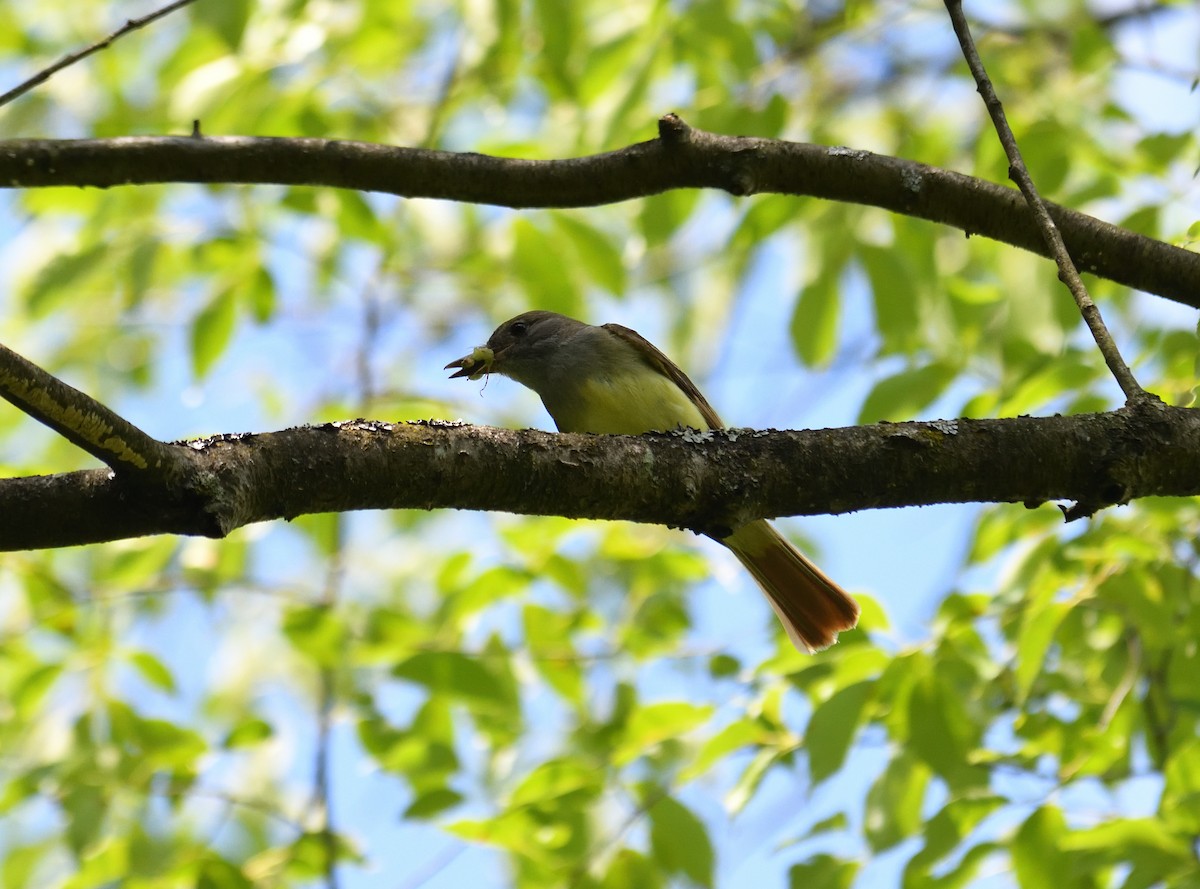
(904, 395)
(655, 723)
(248, 732)
(135, 563)
(723, 666)
(1037, 854)
(893, 809)
(737, 735)
(815, 319)
(357, 218)
(764, 217)
(447, 672)
(317, 631)
(597, 252)
(1137, 840)
(630, 109)
(153, 670)
(559, 25)
(607, 64)
(309, 854)
(538, 266)
(85, 806)
(945, 831)
(833, 727)
(662, 214)
(940, 731)
(64, 276)
(217, 873)
(433, 802)
(558, 782)
(30, 690)
(824, 871)
(1144, 221)
(1181, 794)
(1042, 149)
(1163, 149)
(1064, 374)
(227, 19)
(260, 294)
(150, 855)
(21, 862)
(142, 263)
(632, 870)
(547, 633)
(751, 778)
(833, 824)
(166, 745)
(424, 753)
(679, 842)
(895, 296)
(324, 529)
(1039, 623)
(212, 331)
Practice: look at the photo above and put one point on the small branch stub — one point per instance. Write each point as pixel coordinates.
(672, 130)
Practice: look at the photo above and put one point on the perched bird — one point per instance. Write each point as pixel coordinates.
(609, 379)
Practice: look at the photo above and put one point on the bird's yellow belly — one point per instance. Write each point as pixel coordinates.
(628, 404)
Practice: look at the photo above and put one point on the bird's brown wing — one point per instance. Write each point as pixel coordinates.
(667, 368)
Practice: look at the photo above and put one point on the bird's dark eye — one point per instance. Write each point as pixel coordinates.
(518, 328)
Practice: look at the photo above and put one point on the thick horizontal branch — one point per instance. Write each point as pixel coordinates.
(681, 157)
(703, 481)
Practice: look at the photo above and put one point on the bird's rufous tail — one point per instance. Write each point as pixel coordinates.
(811, 607)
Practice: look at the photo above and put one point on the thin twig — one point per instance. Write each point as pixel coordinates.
(608, 845)
(435, 866)
(1019, 173)
(71, 58)
(441, 105)
(261, 807)
(322, 792)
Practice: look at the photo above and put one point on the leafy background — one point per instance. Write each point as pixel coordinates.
(413, 699)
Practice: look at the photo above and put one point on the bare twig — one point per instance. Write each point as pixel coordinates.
(321, 802)
(71, 58)
(1140, 10)
(1019, 173)
(440, 107)
(435, 866)
(85, 422)
(609, 844)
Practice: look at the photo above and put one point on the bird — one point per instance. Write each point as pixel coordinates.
(608, 379)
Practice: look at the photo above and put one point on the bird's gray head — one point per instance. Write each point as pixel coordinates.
(524, 348)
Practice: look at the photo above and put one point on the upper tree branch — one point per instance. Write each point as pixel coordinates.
(721, 480)
(681, 157)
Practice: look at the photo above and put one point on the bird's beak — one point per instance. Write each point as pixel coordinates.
(465, 365)
(475, 365)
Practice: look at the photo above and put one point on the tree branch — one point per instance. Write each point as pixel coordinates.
(1019, 173)
(87, 423)
(682, 157)
(703, 481)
